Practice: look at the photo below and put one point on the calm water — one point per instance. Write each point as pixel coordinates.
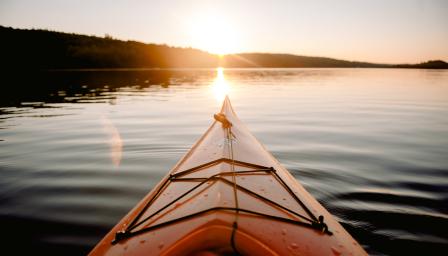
(79, 149)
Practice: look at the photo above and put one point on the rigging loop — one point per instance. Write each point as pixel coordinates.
(220, 117)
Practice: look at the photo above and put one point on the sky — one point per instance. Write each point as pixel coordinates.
(382, 31)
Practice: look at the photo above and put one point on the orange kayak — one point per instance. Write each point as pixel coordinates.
(228, 195)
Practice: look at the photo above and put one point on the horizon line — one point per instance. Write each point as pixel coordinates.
(111, 37)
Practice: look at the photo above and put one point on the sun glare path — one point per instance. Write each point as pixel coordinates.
(220, 86)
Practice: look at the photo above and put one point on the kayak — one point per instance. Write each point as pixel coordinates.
(228, 196)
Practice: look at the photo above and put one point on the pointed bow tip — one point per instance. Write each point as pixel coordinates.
(226, 101)
(226, 106)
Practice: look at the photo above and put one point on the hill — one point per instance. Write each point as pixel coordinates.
(43, 49)
(270, 60)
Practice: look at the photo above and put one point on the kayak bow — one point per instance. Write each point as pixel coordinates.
(228, 195)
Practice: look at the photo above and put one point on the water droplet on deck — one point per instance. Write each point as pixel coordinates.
(142, 241)
(284, 231)
(125, 247)
(294, 246)
(205, 195)
(335, 251)
(161, 245)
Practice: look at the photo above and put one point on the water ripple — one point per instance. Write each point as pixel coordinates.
(369, 144)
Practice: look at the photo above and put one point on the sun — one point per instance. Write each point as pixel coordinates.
(213, 34)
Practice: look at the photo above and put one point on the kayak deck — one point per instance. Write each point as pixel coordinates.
(228, 194)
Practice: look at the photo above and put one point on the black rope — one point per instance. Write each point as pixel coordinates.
(294, 195)
(217, 177)
(232, 238)
(142, 211)
(265, 199)
(227, 124)
(315, 223)
(127, 234)
(167, 205)
(220, 160)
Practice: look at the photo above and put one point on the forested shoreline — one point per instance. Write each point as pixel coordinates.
(42, 50)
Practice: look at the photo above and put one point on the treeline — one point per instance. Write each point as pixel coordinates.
(54, 50)
(43, 49)
(432, 64)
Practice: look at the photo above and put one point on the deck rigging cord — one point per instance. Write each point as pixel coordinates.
(312, 221)
(227, 126)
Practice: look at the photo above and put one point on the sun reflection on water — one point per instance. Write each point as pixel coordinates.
(220, 86)
(115, 141)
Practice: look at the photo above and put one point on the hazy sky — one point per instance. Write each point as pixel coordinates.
(388, 31)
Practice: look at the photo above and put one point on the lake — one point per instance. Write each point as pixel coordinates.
(78, 149)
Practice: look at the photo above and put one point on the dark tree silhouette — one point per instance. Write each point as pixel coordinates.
(43, 49)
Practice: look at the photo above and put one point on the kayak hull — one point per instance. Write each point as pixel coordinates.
(228, 195)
